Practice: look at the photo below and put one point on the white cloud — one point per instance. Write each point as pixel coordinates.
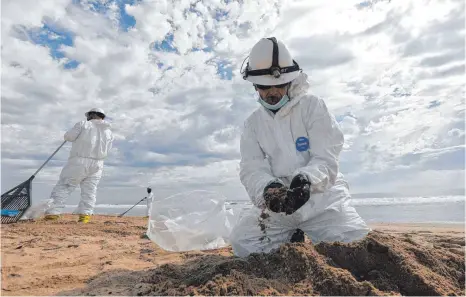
(391, 71)
(151, 19)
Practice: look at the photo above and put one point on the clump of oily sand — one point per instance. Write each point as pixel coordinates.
(380, 264)
(276, 199)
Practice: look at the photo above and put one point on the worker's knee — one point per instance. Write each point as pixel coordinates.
(249, 236)
(344, 226)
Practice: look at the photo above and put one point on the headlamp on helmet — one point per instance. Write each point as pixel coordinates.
(275, 70)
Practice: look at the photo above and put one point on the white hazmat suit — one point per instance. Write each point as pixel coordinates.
(301, 138)
(92, 141)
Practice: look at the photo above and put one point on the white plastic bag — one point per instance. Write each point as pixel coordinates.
(196, 220)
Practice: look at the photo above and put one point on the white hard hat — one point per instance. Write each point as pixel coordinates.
(99, 110)
(270, 63)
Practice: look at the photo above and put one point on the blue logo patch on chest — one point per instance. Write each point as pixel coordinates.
(302, 144)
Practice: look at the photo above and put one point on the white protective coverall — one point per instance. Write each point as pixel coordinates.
(269, 150)
(92, 141)
(150, 199)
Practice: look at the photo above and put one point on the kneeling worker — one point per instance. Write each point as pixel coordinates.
(290, 148)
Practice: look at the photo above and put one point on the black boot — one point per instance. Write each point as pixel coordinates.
(298, 236)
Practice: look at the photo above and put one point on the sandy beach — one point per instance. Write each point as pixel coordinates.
(110, 256)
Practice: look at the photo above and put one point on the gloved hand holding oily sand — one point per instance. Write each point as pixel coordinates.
(283, 200)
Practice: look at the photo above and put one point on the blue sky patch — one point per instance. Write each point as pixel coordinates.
(71, 64)
(224, 70)
(363, 4)
(221, 14)
(206, 49)
(126, 21)
(191, 9)
(166, 45)
(209, 39)
(53, 38)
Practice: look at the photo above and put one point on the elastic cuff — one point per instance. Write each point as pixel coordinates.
(276, 180)
(315, 178)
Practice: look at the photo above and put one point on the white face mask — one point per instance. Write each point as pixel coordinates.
(277, 106)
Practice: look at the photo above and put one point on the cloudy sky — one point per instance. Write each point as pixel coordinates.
(167, 75)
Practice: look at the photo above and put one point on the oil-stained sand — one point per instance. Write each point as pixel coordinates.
(109, 256)
(378, 265)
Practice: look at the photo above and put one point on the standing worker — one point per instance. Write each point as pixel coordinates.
(91, 141)
(289, 165)
(150, 199)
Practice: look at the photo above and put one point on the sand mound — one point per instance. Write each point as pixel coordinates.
(378, 265)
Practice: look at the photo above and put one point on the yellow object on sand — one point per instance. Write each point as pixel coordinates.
(84, 218)
(51, 217)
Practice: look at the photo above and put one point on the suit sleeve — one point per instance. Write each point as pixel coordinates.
(72, 134)
(255, 172)
(110, 142)
(326, 143)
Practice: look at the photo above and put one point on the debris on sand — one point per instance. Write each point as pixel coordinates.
(380, 264)
(262, 218)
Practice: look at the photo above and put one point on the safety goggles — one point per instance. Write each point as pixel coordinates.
(262, 87)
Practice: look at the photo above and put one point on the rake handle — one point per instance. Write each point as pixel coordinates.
(40, 168)
(132, 207)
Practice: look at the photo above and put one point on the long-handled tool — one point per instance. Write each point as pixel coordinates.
(148, 191)
(16, 201)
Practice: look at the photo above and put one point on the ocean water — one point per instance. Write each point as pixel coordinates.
(440, 209)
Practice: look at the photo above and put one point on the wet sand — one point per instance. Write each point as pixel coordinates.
(109, 256)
